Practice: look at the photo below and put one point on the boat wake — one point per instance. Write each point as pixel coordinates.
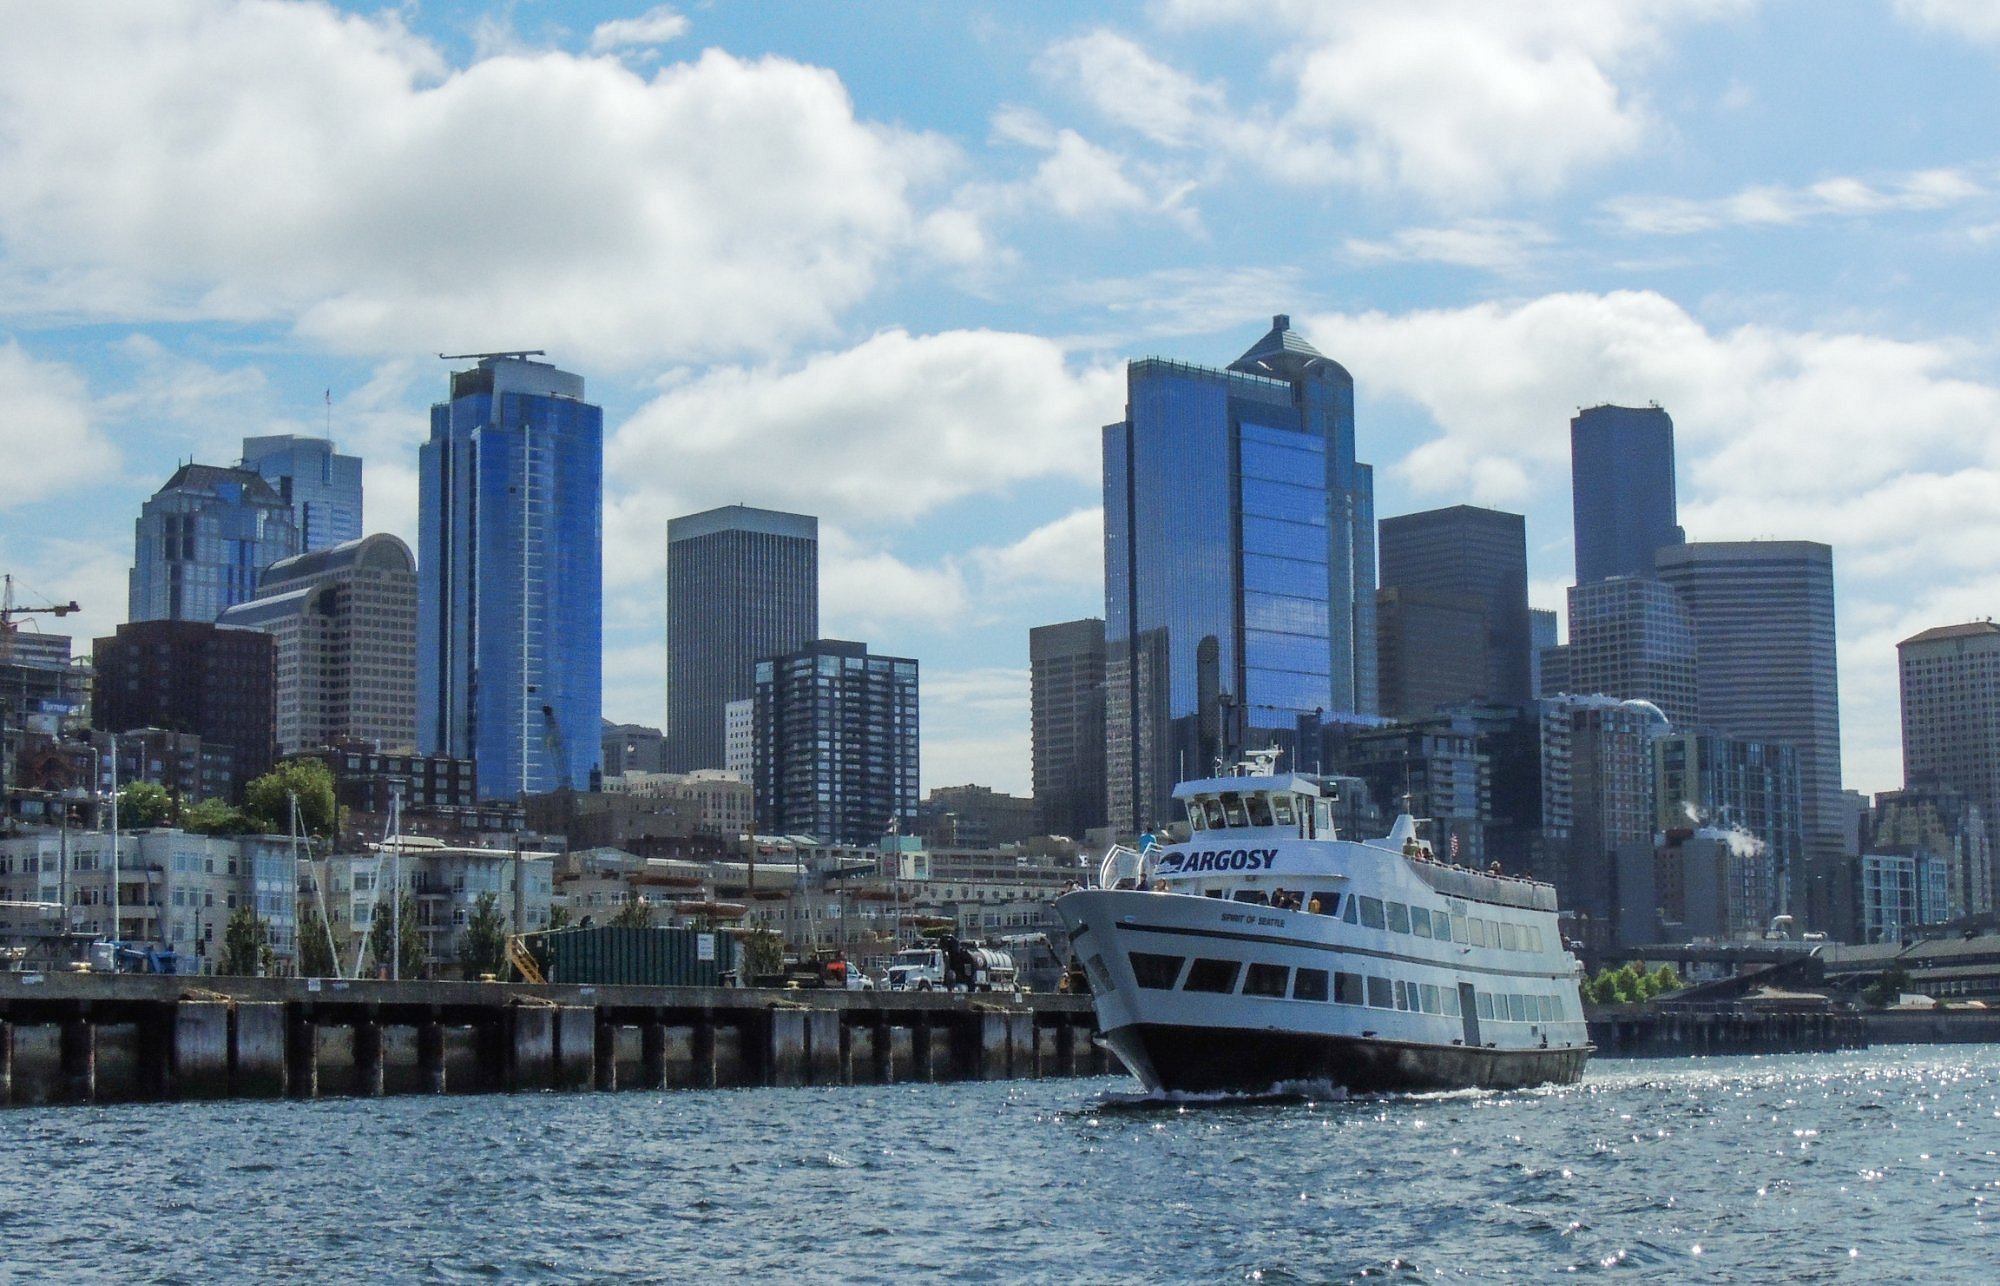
(1280, 1094)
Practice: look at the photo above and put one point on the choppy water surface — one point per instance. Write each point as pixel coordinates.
(1884, 1164)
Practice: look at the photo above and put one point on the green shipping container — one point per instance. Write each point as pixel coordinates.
(610, 956)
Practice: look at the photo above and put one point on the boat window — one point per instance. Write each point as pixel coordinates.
(1266, 980)
(1255, 896)
(1348, 989)
(1329, 902)
(1479, 935)
(1510, 936)
(1212, 975)
(1232, 806)
(1428, 995)
(1449, 995)
(1194, 815)
(1532, 937)
(1260, 811)
(1348, 912)
(1403, 990)
(1517, 1007)
(1420, 922)
(1548, 1004)
(1213, 807)
(1309, 984)
(1281, 807)
(1441, 926)
(1155, 972)
(1459, 933)
(1379, 994)
(1399, 917)
(1485, 1005)
(1371, 912)
(1215, 893)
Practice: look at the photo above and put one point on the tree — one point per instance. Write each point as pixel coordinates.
(558, 916)
(267, 799)
(214, 817)
(412, 940)
(246, 945)
(763, 953)
(636, 914)
(316, 951)
(143, 804)
(483, 946)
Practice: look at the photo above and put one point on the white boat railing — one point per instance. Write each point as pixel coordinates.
(1124, 867)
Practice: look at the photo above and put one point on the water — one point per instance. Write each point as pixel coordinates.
(1814, 1168)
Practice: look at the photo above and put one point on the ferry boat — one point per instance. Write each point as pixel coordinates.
(1267, 950)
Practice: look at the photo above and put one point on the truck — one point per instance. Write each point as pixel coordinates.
(836, 974)
(948, 965)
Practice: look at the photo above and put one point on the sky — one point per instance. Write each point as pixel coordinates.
(885, 263)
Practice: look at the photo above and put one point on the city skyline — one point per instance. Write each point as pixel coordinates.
(923, 323)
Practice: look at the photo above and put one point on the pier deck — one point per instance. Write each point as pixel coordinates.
(84, 1038)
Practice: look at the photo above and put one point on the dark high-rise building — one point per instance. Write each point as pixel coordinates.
(1239, 551)
(1741, 788)
(633, 747)
(1482, 553)
(836, 743)
(1622, 490)
(510, 632)
(1765, 662)
(202, 541)
(1544, 625)
(1950, 680)
(1430, 650)
(192, 676)
(322, 486)
(1066, 717)
(1633, 639)
(742, 585)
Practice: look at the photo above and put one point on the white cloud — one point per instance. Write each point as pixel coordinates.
(1974, 19)
(1067, 554)
(867, 592)
(654, 27)
(257, 162)
(1463, 102)
(47, 403)
(975, 728)
(1077, 179)
(876, 436)
(1769, 205)
(1497, 245)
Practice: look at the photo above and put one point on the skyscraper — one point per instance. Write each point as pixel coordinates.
(1765, 664)
(322, 487)
(1622, 490)
(345, 621)
(742, 585)
(202, 540)
(836, 743)
(193, 677)
(1478, 552)
(1066, 718)
(1430, 650)
(510, 630)
(1239, 550)
(1950, 678)
(1633, 639)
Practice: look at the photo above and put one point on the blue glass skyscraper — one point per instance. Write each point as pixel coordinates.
(201, 542)
(1622, 490)
(1239, 549)
(510, 512)
(322, 486)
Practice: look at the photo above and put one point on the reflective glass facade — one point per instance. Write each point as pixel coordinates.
(202, 541)
(322, 486)
(1622, 489)
(510, 574)
(1239, 565)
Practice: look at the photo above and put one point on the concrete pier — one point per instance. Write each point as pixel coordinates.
(74, 1038)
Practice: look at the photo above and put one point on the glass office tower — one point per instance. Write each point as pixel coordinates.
(1622, 490)
(510, 633)
(322, 486)
(1239, 547)
(202, 541)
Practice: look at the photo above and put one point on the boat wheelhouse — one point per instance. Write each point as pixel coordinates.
(1266, 949)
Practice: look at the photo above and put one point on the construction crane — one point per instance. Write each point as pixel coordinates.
(8, 611)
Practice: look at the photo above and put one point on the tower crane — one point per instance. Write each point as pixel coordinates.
(8, 611)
